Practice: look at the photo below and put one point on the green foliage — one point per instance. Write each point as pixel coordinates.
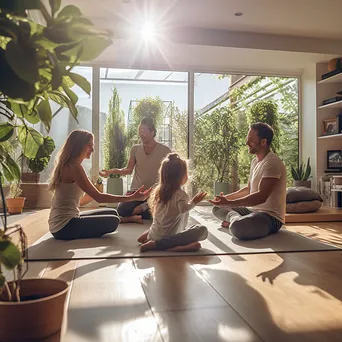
(284, 92)
(150, 107)
(217, 138)
(36, 64)
(301, 172)
(115, 140)
(15, 190)
(267, 112)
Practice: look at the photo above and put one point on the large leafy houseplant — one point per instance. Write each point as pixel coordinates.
(36, 67)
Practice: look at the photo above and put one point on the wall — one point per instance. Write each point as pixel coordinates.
(308, 143)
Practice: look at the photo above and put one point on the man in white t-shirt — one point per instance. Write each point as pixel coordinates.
(258, 209)
(144, 160)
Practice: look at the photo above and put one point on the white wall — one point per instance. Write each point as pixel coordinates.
(307, 117)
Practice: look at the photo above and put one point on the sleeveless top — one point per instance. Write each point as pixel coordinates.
(65, 205)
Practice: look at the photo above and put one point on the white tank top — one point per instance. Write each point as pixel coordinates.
(65, 205)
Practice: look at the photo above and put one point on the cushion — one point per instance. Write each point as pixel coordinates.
(303, 207)
(301, 194)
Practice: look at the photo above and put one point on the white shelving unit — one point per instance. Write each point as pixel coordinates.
(326, 89)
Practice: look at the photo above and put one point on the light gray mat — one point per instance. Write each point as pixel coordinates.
(123, 243)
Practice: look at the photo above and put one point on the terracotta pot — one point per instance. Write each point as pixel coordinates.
(99, 187)
(30, 177)
(35, 319)
(15, 205)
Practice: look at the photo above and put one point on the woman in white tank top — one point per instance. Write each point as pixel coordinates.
(71, 188)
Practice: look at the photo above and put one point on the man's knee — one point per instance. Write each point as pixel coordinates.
(202, 232)
(239, 230)
(125, 209)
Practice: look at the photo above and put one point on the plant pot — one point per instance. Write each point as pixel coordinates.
(35, 319)
(99, 187)
(114, 187)
(30, 177)
(305, 184)
(221, 187)
(15, 205)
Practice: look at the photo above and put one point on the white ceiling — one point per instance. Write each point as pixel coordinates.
(272, 36)
(304, 18)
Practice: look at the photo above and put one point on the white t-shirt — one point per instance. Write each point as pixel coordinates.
(147, 165)
(270, 167)
(171, 218)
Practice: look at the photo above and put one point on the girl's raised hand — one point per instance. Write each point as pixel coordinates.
(199, 197)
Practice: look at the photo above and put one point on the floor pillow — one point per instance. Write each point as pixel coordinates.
(302, 194)
(303, 207)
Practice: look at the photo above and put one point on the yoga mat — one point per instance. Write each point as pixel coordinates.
(123, 243)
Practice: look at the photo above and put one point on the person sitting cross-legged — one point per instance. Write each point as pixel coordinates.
(258, 209)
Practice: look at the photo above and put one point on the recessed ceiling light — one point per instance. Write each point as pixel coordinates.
(238, 14)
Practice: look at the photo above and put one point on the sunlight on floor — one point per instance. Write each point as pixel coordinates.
(227, 333)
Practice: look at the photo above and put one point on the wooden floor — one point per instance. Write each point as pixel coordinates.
(242, 298)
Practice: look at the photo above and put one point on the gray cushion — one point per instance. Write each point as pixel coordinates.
(301, 194)
(303, 207)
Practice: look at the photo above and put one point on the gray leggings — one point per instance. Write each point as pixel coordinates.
(90, 224)
(194, 233)
(246, 224)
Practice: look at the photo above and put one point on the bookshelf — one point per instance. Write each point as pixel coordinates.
(326, 89)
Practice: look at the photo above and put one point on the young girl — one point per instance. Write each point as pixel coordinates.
(68, 184)
(170, 208)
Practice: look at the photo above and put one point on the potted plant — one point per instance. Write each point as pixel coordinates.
(99, 184)
(220, 144)
(114, 144)
(36, 67)
(301, 174)
(38, 302)
(50, 53)
(15, 203)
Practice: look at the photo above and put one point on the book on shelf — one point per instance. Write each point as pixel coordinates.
(331, 73)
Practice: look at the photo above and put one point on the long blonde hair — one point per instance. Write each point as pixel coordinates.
(172, 171)
(69, 152)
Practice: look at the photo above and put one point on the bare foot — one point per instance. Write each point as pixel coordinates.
(225, 224)
(191, 247)
(132, 219)
(149, 245)
(143, 238)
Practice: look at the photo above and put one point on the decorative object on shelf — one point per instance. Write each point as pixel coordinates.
(332, 100)
(301, 174)
(334, 161)
(330, 126)
(335, 64)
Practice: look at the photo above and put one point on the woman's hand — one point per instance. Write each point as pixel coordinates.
(199, 197)
(139, 195)
(106, 173)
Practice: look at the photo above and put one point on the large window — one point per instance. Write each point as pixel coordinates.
(162, 94)
(63, 123)
(225, 106)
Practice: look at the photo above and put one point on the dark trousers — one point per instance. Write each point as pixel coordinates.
(246, 224)
(126, 209)
(194, 233)
(90, 224)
